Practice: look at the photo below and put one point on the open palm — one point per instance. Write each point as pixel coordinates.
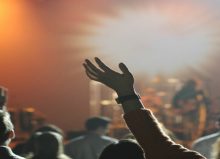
(120, 82)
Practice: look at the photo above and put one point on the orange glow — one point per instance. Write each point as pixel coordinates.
(18, 25)
(4, 17)
(3, 12)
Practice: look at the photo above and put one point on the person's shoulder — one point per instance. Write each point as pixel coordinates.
(6, 153)
(16, 157)
(109, 139)
(206, 138)
(76, 140)
(63, 156)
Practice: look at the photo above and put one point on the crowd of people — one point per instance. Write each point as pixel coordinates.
(150, 142)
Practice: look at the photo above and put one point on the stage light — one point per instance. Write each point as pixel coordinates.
(154, 39)
(3, 13)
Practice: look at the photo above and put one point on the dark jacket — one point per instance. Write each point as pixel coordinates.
(88, 146)
(6, 153)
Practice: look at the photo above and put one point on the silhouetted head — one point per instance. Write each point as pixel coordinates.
(6, 128)
(124, 149)
(50, 128)
(98, 125)
(29, 146)
(48, 145)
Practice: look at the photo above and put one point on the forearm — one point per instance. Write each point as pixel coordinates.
(148, 133)
(143, 126)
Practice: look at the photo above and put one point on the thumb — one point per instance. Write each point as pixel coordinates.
(123, 68)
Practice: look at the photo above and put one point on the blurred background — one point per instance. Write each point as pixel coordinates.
(166, 44)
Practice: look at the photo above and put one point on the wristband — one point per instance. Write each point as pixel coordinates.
(122, 99)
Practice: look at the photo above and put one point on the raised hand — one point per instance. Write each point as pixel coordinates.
(122, 83)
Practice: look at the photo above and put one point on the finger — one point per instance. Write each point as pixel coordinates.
(102, 65)
(124, 68)
(92, 77)
(87, 68)
(93, 67)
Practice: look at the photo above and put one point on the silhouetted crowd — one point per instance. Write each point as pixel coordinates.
(148, 141)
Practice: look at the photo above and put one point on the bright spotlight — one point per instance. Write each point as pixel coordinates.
(153, 40)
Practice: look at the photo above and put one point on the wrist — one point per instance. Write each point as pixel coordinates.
(125, 92)
(123, 99)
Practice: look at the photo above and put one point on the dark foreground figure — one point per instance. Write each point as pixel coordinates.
(6, 135)
(6, 129)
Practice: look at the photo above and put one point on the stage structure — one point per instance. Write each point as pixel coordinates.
(187, 114)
